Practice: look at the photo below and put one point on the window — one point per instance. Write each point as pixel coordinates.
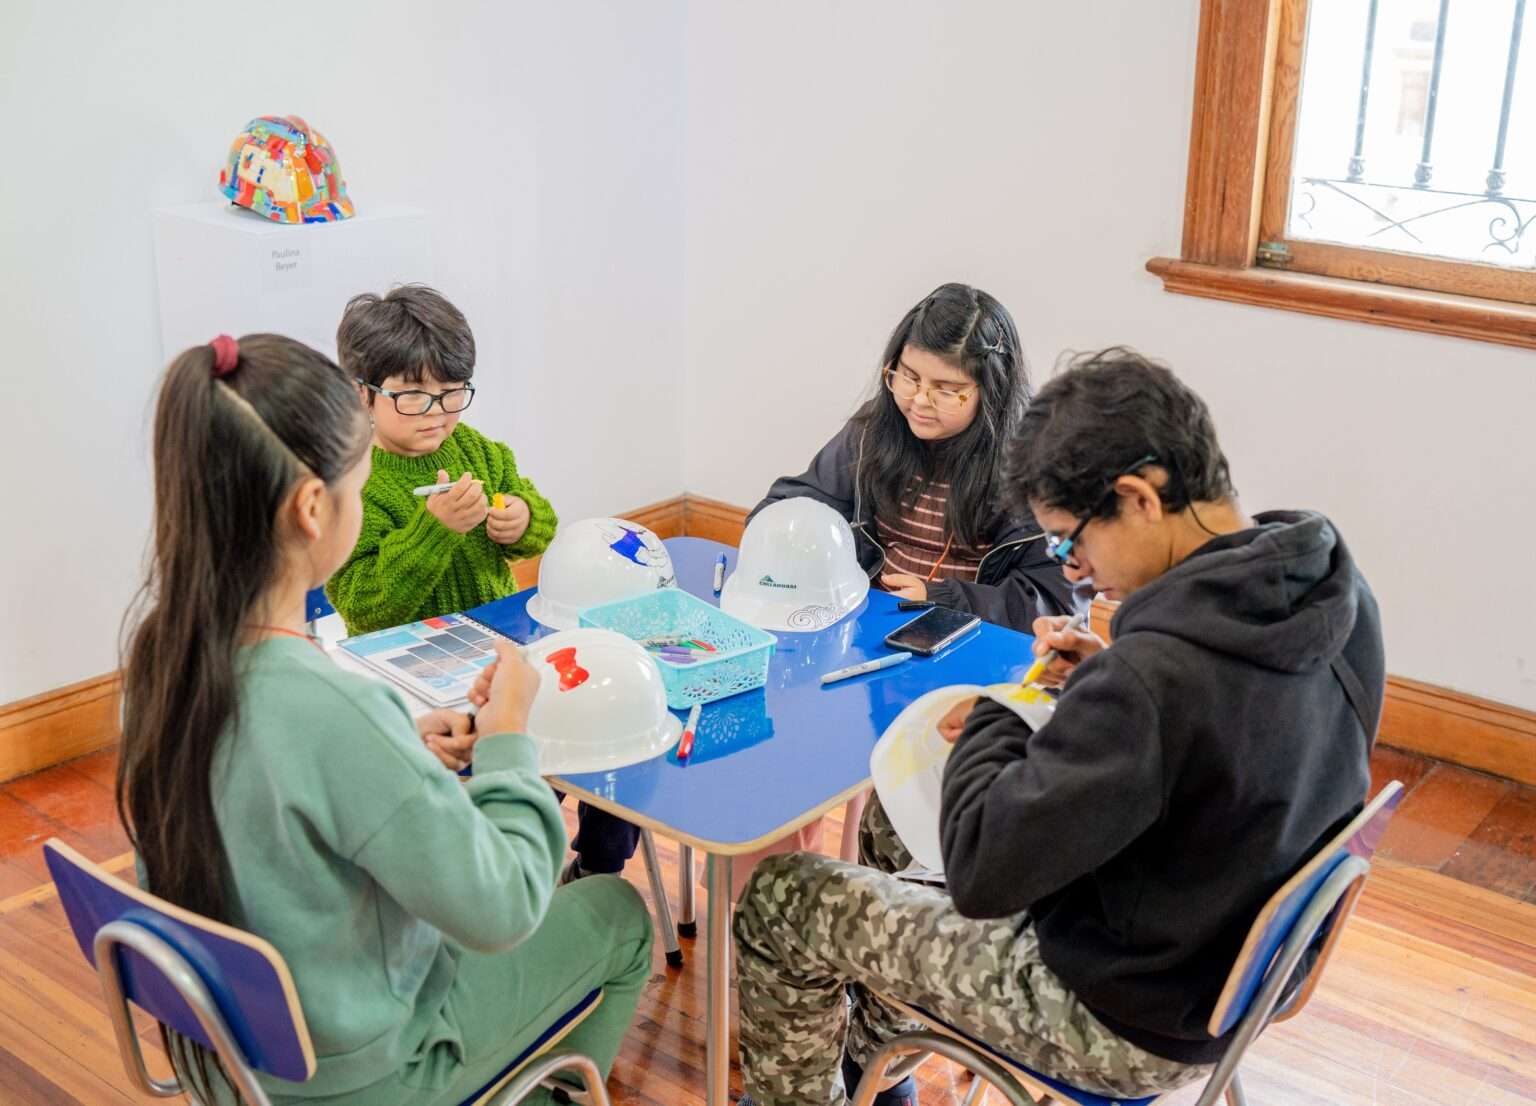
(1367, 159)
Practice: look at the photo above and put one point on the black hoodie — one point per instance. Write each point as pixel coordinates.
(1188, 771)
(1016, 581)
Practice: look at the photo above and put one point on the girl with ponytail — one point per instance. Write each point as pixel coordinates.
(266, 788)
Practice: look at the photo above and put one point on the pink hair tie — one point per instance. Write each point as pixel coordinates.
(226, 354)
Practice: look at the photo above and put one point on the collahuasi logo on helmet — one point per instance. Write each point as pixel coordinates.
(770, 582)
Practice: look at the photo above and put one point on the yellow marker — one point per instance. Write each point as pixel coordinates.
(1037, 669)
(499, 501)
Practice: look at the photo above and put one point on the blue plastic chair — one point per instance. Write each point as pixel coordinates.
(316, 607)
(1270, 981)
(231, 992)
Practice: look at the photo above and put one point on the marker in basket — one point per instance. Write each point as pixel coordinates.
(685, 746)
(720, 574)
(1037, 669)
(868, 666)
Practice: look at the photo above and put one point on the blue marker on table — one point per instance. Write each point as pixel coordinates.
(720, 574)
(868, 666)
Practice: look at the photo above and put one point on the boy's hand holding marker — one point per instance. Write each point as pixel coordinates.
(463, 506)
(508, 519)
(1072, 644)
(1059, 637)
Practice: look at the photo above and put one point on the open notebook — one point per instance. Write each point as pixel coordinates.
(436, 659)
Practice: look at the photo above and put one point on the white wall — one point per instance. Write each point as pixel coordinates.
(845, 158)
(811, 169)
(546, 141)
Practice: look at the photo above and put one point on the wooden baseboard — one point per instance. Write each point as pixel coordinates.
(1420, 718)
(58, 725)
(1463, 729)
(712, 519)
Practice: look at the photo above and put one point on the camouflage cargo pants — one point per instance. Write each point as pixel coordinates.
(812, 931)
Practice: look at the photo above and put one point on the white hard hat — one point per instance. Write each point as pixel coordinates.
(797, 569)
(907, 764)
(600, 705)
(594, 561)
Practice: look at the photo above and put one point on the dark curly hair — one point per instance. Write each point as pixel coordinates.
(410, 333)
(1105, 414)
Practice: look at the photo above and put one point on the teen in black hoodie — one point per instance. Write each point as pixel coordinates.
(1193, 767)
(1126, 846)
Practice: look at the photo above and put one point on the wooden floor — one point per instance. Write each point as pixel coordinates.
(1431, 997)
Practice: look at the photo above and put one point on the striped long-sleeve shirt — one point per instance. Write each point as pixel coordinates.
(915, 542)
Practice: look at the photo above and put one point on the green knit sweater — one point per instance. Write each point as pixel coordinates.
(408, 565)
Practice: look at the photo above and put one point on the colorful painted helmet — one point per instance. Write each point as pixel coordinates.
(596, 561)
(601, 703)
(797, 570)
(281, 168)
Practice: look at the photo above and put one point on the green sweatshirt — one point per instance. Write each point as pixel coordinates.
(407, 565)
(366, 863)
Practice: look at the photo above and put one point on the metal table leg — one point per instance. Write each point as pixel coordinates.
(687, 909)
(717, 1032)
(667, 934)
(852, 813)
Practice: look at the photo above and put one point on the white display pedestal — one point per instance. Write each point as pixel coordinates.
(224, 270)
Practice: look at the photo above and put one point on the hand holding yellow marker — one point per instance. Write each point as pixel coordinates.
(1026, 693)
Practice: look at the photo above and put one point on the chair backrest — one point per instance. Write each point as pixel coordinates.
(316, 605)
(246, 977)
(1276, 920)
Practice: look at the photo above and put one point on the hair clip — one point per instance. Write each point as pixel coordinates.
(226, 355)
(995, 347)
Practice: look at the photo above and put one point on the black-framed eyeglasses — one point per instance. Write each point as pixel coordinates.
(414, 401)
(1060, 549)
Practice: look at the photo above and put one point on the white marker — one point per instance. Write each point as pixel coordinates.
(432, 489)
(868, 666)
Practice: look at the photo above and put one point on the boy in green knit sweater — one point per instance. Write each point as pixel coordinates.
(413, 355)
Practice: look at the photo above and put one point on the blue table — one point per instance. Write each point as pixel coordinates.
(768, 762)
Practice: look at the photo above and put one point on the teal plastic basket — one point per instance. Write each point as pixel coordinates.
(738, 663)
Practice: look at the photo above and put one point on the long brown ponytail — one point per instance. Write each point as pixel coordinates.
(227, 449)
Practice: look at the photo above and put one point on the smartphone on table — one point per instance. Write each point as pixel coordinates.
(932, 630)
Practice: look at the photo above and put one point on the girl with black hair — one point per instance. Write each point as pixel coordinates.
(916, 470)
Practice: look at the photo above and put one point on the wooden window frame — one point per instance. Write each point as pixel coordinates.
(1246, 79)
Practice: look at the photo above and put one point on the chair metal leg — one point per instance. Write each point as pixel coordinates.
(902, 1068)
(978, 1092)
(1235, 1095)
(540, 1069)
(687, 905)
(949, 1048)
(189, 985)
(659, 895)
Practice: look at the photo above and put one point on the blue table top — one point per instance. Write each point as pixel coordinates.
(766, 762)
